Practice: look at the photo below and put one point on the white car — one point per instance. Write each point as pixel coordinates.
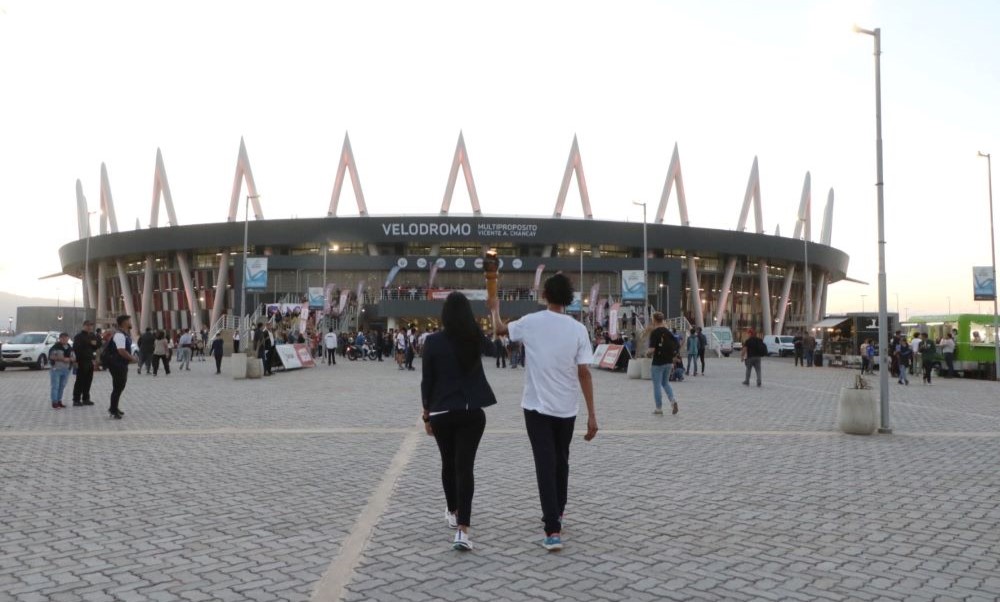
(28, 349)
(780, 345)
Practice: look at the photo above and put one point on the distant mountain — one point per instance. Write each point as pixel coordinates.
(10, 302)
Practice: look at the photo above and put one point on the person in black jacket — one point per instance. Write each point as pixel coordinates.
(217, 352)
(454, 391)
(85, 347)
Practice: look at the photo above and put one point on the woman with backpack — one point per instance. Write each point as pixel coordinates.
(663, 349)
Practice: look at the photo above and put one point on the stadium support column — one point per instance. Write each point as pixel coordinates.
(786, 292)
(146, 311)
(101, 303)
(126, 293)
(220, 288)
(765, 299)
(699, 315)
(193, 304)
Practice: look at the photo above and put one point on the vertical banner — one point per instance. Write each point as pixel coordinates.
(255, 273)
(593, 297)
(599, 312)
(984, 285)
(303, 317)
(538, 276)
(326, 296)
(316, 297)
(344, 296)
(633, 285)
(392, 275)
(613, 320)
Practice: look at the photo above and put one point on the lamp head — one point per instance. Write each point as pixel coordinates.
(982, 154)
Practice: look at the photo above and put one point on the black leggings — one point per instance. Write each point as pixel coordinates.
(119, 378)
(458, 433)
(550, 438)
(331, 356)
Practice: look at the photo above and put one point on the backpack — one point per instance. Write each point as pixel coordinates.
(905, 352)
(109, 352)
(928, 347)
(665, 349)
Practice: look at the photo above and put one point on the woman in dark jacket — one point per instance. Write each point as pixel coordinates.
(454, 392)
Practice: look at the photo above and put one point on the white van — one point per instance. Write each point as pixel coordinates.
(720, 339)
(780, 345)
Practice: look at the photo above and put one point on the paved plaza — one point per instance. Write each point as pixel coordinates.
(320, 485)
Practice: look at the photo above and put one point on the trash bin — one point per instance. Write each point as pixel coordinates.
(818, 359)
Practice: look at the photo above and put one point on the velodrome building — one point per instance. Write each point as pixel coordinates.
(393, 268)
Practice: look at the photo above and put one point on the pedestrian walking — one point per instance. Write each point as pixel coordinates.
(904, 355)
(663, 349)
(692, 351)
(500, 349)
(454, 391)
(808, 348)
(147, 342)
(236, 341)
(927, 351)
(797, 344)
(184, 350)
(218, 351)
(161, 353)
(702, 346)
(555, 378)
(330, 344)
(86, 345)
(754, 348)
(60, 361)
(947, 344)
(116, 357)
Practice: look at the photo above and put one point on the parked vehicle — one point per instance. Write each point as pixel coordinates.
(28, 349)
(780, 345)
(720, 339)
(364, 352)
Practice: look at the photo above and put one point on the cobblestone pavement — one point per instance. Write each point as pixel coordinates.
(317, 484)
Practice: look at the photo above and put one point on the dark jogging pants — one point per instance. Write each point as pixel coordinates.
(119, 378)
(458, 433)
(550, 437)
(84, 378)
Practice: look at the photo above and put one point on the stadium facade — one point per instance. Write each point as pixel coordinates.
(383, 269)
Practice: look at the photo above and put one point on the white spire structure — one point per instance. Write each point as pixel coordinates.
(574, 165)
(161, 190)
(752, 196)
(243, 173)
(83, 227)
(461, 160)
(108, 219)
(825, 238)
(802, 229)
(676, 180)
(346, 165)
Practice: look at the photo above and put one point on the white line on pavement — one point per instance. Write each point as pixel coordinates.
(331, 586)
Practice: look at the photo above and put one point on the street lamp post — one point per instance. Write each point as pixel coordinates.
(243, 279)
(993, 258)
(645, 264)
(883, 327)
(580, 282)
(807, 280)
(863, 303)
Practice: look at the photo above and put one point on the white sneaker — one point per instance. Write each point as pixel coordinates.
(462, 542)
(451, 518)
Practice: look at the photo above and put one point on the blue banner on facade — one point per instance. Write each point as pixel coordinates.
(984, 284)
(633, 285)
(255, 273)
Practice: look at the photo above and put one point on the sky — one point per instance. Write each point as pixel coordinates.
(787, 82)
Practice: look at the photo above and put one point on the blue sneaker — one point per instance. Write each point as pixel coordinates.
(552, 543)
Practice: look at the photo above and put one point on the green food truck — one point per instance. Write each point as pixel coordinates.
(975, 340)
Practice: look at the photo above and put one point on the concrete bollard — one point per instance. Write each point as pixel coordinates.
(634, 370)
(857, 414)
(647, 368)
(255, 367)
(237, 366)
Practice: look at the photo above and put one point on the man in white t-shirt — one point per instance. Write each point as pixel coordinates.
(555, 379)
(330, 344)
(400, 348)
